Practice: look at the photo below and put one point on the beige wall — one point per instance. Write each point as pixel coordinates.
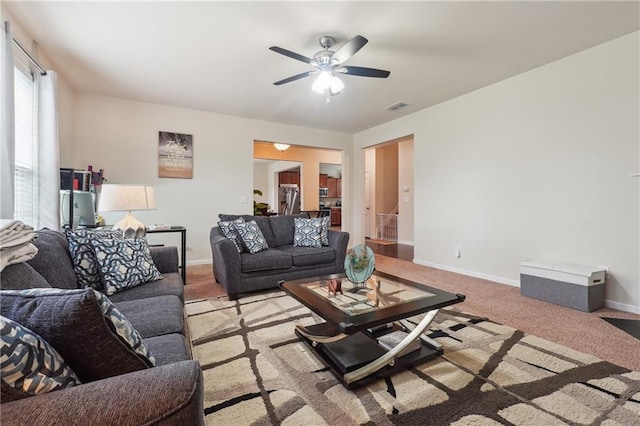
(533, 167)
(386, 178)
(405, 191)
(121, 136)
(310, 160)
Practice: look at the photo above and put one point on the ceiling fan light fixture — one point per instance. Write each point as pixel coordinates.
(281, 146)
(336, 86)
(323, 82)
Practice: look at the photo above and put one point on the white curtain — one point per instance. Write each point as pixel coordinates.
(48, 169)
(7, 123)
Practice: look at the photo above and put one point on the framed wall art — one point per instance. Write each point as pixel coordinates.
(175, 155)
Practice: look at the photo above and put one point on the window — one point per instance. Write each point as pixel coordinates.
(26, 201)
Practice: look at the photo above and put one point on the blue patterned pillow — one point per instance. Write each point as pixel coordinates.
(307, 232)
(85, 264)
(30, 366)
(252, 237)
(228, 230)
(124, 263)
(123, 328)
(324, 231)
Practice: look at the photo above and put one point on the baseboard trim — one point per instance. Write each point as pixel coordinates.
(199, 262)
(501, 280)
(622, 306)
(516, 283)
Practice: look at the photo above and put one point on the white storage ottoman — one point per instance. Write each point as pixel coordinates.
(575, 286)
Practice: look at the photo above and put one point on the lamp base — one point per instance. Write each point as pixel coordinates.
(131, 227)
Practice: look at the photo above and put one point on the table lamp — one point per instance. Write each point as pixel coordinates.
(128, 198)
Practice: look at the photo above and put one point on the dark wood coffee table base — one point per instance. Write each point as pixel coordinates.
(357, 359)
(358, 339)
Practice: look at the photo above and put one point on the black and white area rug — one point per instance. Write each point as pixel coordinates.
(257, 372)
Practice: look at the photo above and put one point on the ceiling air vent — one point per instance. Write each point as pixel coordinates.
(397, 106)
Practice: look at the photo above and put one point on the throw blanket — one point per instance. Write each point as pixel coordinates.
(15, 243)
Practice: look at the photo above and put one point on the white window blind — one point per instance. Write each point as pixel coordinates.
(26, 153)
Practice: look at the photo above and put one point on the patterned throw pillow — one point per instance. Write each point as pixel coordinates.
(85, 264)
(86, 329)
(228, 230)
(324, 233)
(123, 328)
(124, 263)
(30, 366)
(251, 235)
(307, 233)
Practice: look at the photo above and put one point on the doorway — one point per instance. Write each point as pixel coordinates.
(388, 199)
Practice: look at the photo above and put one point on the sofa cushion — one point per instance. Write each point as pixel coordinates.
(53, 260)
(252, 238)
(154, 316)
(265, 260)
(262, 221)
(83, 255)
(283, 228)
(83, 326)
(170, 284)
(124, 263)
(228, 230)
(20, 276)
(30, 365)
(169, 348)
(306, 256)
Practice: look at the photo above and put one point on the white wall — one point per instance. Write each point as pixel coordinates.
(535, 166)
(405, 198)
(121, 136)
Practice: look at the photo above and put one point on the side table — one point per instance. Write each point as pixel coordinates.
(183, 247)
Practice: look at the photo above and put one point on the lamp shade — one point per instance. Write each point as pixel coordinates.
(126, 198)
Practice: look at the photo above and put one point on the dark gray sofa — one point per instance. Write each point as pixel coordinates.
(245, 272)
(170, 393)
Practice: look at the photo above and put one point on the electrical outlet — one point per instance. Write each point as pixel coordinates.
(458, 252)
(244, 199)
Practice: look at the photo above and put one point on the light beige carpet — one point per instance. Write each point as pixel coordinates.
(256, 371)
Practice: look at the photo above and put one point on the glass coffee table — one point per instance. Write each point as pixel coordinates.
(367, 333)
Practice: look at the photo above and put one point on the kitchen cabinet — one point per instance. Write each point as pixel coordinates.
(332, 184)
(323, 181)
(288, 177)
(336, 216)
(339, 188)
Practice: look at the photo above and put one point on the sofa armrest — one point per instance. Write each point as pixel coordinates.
(226, 261)
(165, 258)
(167, 395)
(338, 240)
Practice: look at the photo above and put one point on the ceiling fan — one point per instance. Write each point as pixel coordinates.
(328, 63)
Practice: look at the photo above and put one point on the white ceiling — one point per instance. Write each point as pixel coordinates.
(214, 56)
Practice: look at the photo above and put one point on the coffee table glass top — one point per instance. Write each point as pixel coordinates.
(383, 299)
(355, 300)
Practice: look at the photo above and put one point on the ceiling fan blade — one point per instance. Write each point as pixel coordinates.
(349, 49)
(365, 72)
(294, 78)
(291, 54)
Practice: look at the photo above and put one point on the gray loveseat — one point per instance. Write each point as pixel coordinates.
(245, 272)
(170, 393)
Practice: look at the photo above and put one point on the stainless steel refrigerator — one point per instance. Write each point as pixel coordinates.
(288, 199)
